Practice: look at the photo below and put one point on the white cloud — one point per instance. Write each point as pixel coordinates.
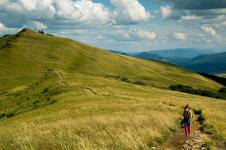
(79, 11)
(6, 30)
(2, 27)
(209, 30)
(66, 9)
(180, 36)
(30, 8)
(135, 35)
(130, 11)
(36, 25)
(223, 23)
(72, 12)
(146, 34)
(191, 17)
(165, 11)
(93, 13)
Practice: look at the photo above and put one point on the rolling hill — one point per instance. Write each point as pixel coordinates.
(56, 93)
(39, 52)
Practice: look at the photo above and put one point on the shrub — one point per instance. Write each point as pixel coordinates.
(6, 35)
(2, 115)
(124, 79)
(10, 114)
(201, 119)
(191, 90)
(208, 128)
(139, 83)
(41, 32)
(49, 34)
(198, 111)
(222, 90)
(45, 90)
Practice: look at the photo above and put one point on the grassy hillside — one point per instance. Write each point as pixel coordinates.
(24, 50)
(56, 93)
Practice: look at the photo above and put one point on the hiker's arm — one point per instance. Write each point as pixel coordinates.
(190, 113)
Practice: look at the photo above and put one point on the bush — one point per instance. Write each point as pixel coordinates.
(201, 119)
(45, 90)
(41, 32)
(208, 128)
(198, 111)
(124, 79)
(139, 83)
(2, 115)
(10, 114)
(6, 35)
(49, 34)
(222, 90)
(191, 90)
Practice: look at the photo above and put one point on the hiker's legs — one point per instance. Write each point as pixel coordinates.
(189, 129)
(186, 129)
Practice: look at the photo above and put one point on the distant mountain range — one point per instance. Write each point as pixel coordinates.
(200, 60)
(214, 63)
(172, 54)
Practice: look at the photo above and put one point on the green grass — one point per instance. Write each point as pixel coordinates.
(222, 75)
(56, 93)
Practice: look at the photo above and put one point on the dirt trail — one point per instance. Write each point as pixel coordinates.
(31, 58)
(60, 75)
(196, 141)
(61, 78)
(88, 90)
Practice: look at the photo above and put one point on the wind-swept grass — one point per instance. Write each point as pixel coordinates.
(59, 94)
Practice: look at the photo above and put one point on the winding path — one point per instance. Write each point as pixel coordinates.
(196, 141)
(60, 75)
(45, 68)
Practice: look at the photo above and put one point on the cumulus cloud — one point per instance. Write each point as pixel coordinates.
(72, 12)
(212, 32)
(146, 34)
(191, 17)
(180, 36)
(165, 11)
(95, 13)
(209, 30)
(134, 35)
(66, 9)
(36, 25)
(223, 23)
(30, 8)
(129, 11)
(2, 27)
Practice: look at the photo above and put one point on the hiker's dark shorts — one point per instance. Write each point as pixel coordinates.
(188, 122)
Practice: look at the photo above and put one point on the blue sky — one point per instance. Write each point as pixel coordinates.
(127, 25)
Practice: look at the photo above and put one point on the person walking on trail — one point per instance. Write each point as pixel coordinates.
(187, 119)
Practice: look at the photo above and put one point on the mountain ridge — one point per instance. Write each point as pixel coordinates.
(86, 59)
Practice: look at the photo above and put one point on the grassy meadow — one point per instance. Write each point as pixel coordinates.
(57, 93)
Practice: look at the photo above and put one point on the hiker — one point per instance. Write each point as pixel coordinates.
(187, 119)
